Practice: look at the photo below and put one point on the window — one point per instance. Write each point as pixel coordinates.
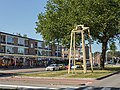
(46, 46)
(2, 49)
(46, 53)
(21, 41)
(21, 50)
(31, 45)
(26, 43)
(26, 51)
(39, 52)
(58, 47)
(40, 44)
(2, 38)
(9, 39)
(36, 44)
(36, 52)
(10, 49)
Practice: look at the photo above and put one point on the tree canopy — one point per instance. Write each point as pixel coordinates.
(61, 16)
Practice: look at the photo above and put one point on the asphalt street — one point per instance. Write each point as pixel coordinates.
(112, 81)
(109, 83)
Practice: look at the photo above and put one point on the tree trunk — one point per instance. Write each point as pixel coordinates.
(102, 59)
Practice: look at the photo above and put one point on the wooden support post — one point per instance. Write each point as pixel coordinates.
(70, 53)
(91, 58)
(84, 54)
(74, 51)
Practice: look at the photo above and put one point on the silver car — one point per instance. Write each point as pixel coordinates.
(52, 67)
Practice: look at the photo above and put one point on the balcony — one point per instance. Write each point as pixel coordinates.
(36, 46)
(3, 39)
(26, 45)
(21, 42)
(11, 43)
(21, 45)
(3, 42)
(2, 51)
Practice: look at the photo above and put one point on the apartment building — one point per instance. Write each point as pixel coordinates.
(25, 51)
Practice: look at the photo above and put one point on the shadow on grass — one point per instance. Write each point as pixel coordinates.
(7, 74)
(112, 68)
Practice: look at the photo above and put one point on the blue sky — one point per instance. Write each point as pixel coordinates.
(19, 16)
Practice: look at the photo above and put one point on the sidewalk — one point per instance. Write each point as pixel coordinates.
(37, 81)
(22, 70)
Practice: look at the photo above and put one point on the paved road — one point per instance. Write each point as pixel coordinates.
(109, 83)
(112, 81)
(97, 88)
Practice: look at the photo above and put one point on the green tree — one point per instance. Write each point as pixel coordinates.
(102, 16)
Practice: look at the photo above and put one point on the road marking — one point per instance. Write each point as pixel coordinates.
(106, 88)
(88, 88)
(35, 87)
(19, 86)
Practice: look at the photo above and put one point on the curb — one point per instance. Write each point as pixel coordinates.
(56, 78)
(103, 77)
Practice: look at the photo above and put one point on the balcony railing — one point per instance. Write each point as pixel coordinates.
(11, 43)
(3, 42)
(21, 45)
(26, 45)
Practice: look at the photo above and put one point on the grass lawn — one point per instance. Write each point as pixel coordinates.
(47, 74)
(77, 74)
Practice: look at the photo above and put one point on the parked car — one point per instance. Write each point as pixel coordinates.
(76, 66)
(61, 66)
(95, 65)
(66, 67)
(52, 67)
